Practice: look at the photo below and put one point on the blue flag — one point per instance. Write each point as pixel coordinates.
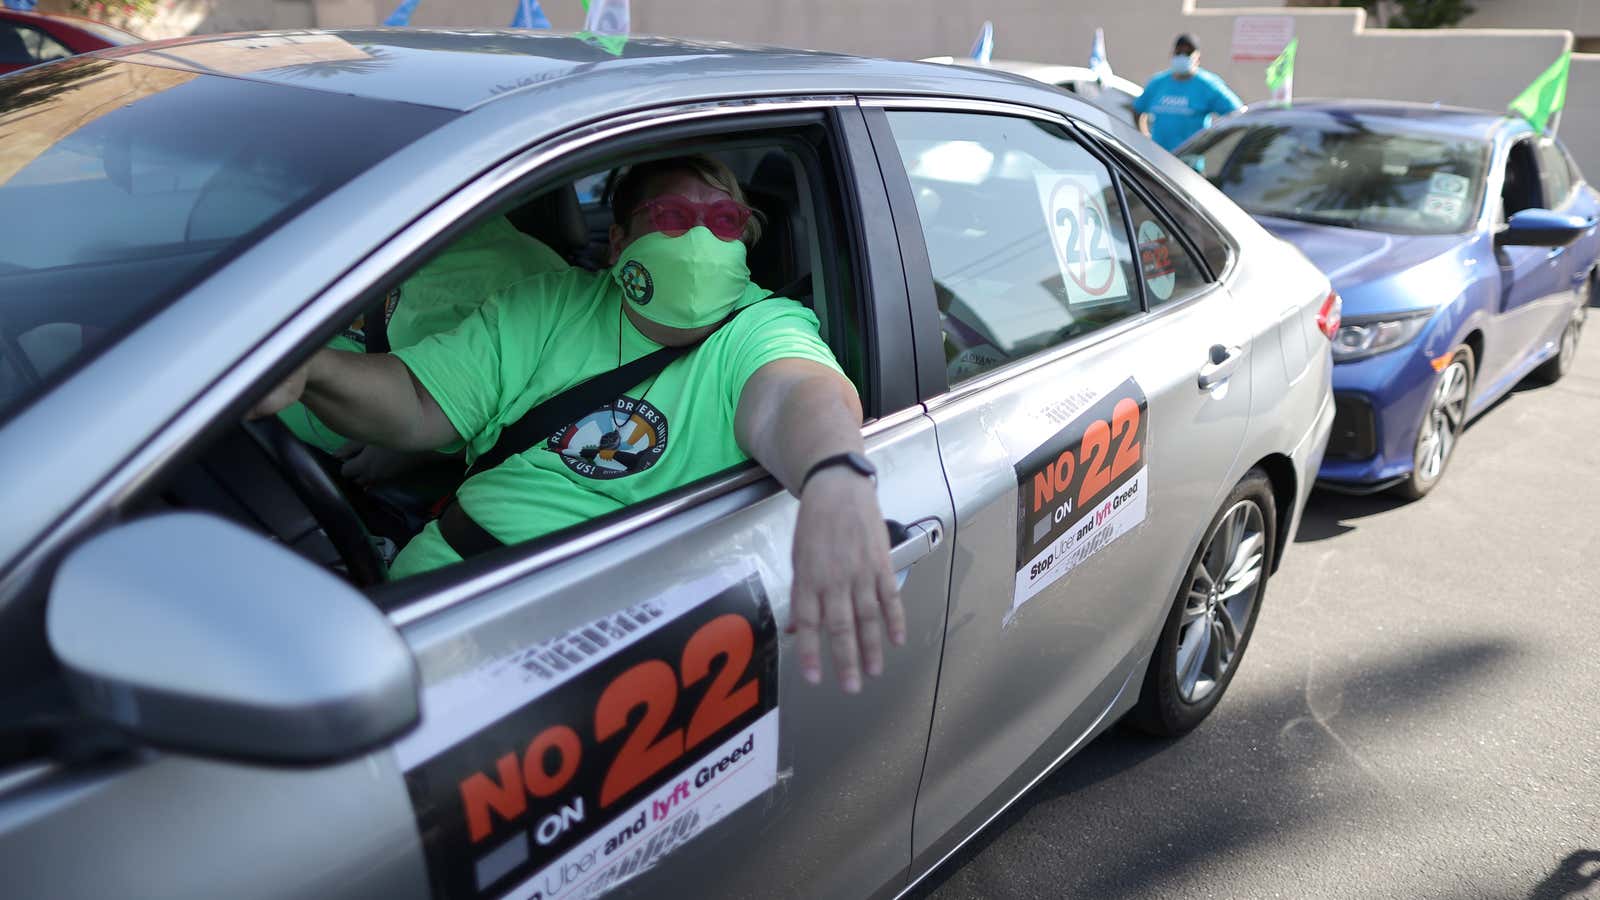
(530, 15)
(22, 5)
(402, 13)
(983, 47)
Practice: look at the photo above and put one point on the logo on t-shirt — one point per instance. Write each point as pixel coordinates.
(637, 285)
(623, 438)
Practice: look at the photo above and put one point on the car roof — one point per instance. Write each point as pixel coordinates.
(1049, 73)
(465, 69)
(1396, 115)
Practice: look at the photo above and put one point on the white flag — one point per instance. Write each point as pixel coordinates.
(607, 17)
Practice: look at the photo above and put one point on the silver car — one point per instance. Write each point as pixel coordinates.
(1097, 394)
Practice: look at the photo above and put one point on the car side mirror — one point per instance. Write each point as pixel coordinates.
(189, 632)
(1541, 228)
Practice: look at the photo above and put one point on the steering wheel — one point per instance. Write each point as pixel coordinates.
(322, 496)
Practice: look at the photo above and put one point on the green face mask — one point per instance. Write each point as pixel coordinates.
(688, 281)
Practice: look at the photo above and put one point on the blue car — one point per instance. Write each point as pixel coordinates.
(1462, 242)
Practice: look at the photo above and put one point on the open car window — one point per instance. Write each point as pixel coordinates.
(537, 257)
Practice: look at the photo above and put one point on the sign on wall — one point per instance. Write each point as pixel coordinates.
(1261, 38)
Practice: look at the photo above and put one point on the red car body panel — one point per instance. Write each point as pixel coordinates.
(77, 35)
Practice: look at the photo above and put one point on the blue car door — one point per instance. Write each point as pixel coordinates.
(1564, 192)
(1530, 278)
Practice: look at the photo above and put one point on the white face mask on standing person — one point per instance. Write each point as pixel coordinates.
(1184, 63)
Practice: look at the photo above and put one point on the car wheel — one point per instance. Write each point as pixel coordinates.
(1560, 364)
(1214, 614)
(1442, 423)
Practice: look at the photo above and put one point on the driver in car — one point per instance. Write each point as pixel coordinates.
(758, 383)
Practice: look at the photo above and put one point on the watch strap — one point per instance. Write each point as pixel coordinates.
(855, 461)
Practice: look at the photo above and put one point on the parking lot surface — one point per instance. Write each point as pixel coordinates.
(1417, 716)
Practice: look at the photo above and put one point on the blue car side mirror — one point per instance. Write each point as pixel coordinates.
(1541, 228)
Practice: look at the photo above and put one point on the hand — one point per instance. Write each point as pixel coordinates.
(366, 464)
(842, 579)
(285, 394)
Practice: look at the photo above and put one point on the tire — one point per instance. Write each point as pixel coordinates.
(1560, 364)
(1442, 423)
(1204, 621)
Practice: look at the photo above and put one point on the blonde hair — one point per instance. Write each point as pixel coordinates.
(629, 191)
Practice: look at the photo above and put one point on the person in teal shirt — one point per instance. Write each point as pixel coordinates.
(1182, 100)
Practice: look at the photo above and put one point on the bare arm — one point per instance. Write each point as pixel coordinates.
(369, 397)
(1144, 124)
(792, 414)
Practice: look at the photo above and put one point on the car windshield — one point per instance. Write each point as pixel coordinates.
(1346, 173)
(123, 185)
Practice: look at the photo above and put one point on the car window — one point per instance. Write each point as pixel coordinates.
(1170, 272)
(1212, 246)
(1350, 172)
(1553, 173)
(132, 183)
(1026, 238)
(26, 45)
(1522, 188)
(1573, 172)
(1210, 150)
(500, 321)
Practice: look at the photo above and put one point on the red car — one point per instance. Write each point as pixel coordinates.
(27, 39)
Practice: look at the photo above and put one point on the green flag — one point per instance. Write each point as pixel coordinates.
(1546, 95)
(1281, 70)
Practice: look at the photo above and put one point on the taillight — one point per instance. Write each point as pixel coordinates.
(1328, 316)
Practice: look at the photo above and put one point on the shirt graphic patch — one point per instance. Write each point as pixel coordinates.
(622, 439)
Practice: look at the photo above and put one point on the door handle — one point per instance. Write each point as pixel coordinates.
(1223, 360)
(1556, 252)
(909, 544)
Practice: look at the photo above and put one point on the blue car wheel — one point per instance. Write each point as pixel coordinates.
(1443, 420)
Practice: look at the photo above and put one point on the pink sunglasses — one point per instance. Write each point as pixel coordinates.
(674, 214)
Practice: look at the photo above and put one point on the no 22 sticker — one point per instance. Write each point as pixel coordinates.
(1080, 490)
(635, 749)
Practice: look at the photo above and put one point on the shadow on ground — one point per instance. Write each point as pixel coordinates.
(1329, 515)
(1253, 773)
(1576, 874)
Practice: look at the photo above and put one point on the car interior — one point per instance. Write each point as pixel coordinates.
(258, 474)
(1521, 189)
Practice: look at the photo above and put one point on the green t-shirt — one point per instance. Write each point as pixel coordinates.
(544, 335)
(437, 298)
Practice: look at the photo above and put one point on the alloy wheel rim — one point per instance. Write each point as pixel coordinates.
(1220, 596)
(1447, 412)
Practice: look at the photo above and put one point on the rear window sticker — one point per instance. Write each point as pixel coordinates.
(1083, 488)
(622, 740)
(1155, 259)
(1081, 235)
(1449, 184)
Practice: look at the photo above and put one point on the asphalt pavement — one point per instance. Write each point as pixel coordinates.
(1417, 716)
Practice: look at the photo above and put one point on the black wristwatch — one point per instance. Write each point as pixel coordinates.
(856, 461)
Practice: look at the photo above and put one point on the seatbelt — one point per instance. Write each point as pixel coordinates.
(464, 535)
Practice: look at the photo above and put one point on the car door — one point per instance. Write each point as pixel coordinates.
(616, 710)
(579, 733)
(1084, 454)
(1563, 194)
(1531, 278)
